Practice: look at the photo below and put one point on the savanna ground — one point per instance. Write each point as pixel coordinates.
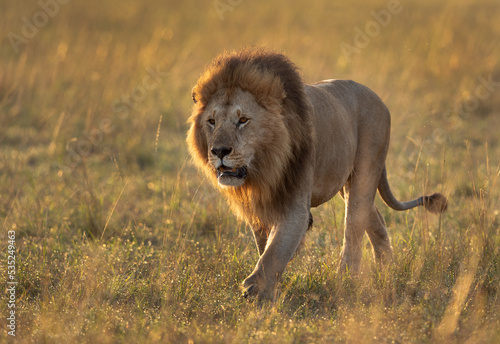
(117, 237)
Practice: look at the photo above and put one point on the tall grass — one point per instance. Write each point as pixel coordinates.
(119, 239)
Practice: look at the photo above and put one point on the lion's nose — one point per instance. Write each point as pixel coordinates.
(221, 152)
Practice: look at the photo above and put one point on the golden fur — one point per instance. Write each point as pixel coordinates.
(276, 147)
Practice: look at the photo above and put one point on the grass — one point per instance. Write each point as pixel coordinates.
(118, 239)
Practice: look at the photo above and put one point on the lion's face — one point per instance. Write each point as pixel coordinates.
(239, 134)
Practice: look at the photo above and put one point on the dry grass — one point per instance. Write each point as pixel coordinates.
(119, 239)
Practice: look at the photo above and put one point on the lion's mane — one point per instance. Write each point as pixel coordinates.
(275, 83)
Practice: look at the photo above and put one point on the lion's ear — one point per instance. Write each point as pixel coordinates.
(193, 95)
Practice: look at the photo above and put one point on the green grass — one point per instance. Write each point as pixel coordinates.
(118, 237)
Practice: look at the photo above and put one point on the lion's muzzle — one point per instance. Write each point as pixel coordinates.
(229, 176)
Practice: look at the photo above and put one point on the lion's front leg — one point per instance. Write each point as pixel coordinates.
(283, 241)
(261, 234)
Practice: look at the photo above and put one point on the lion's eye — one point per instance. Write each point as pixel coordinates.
(243, 120)
(211, 121)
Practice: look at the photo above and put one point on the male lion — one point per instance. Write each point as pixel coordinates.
(276, 147)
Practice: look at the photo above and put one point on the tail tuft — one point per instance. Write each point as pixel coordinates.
(436, 203)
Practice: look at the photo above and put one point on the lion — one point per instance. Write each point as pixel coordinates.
(276, 147)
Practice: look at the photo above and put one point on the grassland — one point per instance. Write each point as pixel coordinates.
(119, 240)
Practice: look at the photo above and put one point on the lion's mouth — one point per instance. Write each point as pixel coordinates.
(224, 171)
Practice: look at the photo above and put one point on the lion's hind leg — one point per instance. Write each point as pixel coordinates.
(357, 216)
(361, 214)
(377, 232)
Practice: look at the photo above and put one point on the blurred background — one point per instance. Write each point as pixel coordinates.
(109, 211)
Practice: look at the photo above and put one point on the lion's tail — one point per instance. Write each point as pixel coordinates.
(435, 203)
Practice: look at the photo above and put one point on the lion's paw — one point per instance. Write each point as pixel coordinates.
(250, 291)
(253, 290)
